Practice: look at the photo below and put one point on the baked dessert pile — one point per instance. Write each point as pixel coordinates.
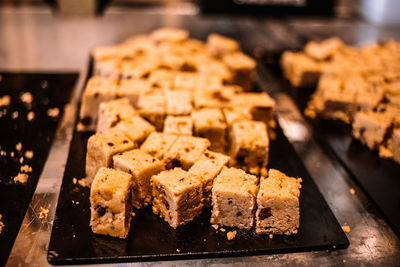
(357, 85)
(176, 130)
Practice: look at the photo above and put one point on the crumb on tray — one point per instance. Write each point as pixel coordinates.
(26, 98)
(346, 228)
(84, 182)
(215, 226)
(53, 112)
(25, 168)
(29, 154)
(271, 236)
(222, 230)
(74, 180)
(14, 115)
(352, 191)
(1, 224)
(21, 178)
(231, 235)
(30, 116)
(18, 146)
(5, 100)
(43, 213)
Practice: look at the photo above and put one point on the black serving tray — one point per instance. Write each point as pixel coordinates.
(49, 91)
(72, 241)
(379, 178)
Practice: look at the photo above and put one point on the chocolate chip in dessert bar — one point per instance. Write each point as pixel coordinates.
(249, 145)
(206, 169)
(178, 102)
(151, 106)
(142, 167)
(111, 203)
(278, 204)
(186, 151)
(136, 128)
(102, 146)
(242, 68)
(158, 144)
(97, 90)
(209, 123)
(114, 111)
(178, 125)
(177, 196)
(132, 89)
(234, 198)
(218, 45)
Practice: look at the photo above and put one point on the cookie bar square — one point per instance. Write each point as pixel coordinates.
(218, 45)
(278, 204)
(107, 68)
(132, 89)
(151, 106)
(186, 151)
(178, 125)
(234, 198)
(324, 49)
(178, 102)
(102, 146)
(158, 144)
(242, 68)
(209, 123)
(177, 196)
(112, 112)
(111, 203)
(234, 114)
(206, 169)
(97, 90)
(142, 167)
(162, 79)
(249, 145)
(215, 97)
(136, 128)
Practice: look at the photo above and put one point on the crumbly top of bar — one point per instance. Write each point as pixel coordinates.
(110, 182)
(111, 140)
(258, 100)
(236, 180)
(120, 108)
(209, 118)
(152, 100)
(215, 97)
(250, 134)
(225, 43)
(277, 184)
(136, 127)
(176, 180)
(179, 125)
(157, 144)
(100, 85)
(188, 147)
(209, 164)
(324, 49)
(137, 160)
(233, 114)
(169, 35)
(239, 61)
(178, 102)
(129, 86)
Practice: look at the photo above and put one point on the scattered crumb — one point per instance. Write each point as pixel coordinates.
(231, 235)
(133, 214)
(271, 236)
(73, 201)
(29, 154)
(12, 154)
(222, 230)
(53, 112)
(30, 116)
(215, 226)
(63, 166)
(77, 203)
(84, 182)
(1, 224)
(26, 97)
(26, 168)
(352, 191)
(14, 115)
(3, 113)
(178, 250)
(43, 213)
(21, 177)
(346, 228)
(44, 84)
(3, 153)
(74, 180)
(18, 147)
(21, 160)
(5, 100)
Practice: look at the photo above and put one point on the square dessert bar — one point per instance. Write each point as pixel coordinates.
(206, 169)
(210, 123)
(97, 90)
(132, 89)
(178, 125)
(112, 112)
(102, 146)
(278, 204)
(110, 203)
(178, 102)
(216, 97)
(151, 106)
(107, 68)
(218, 45)
(249, 145)
(158, 144)
(234, 114)
(136, 128)
(162, 79)
(234, 198)
(185, 151)
(242, 68)
(186, 81)
(177, 196)
(142, 167)
(323, 50)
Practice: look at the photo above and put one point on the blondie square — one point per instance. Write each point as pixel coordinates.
(278, 204)
(249, 145)
(162, 79)
(132, 89)
(234, 114)
(206, 169)
(324, 49)
(102, 146)
(215, 97)
(107, 68)
(151, 106)
(186, 151)
(97, 90)
(177, 196)
(142, 167)
(186, 81)
(158, 144)
(178, 125)
(210, 123)
(242, 68)
(218, 45)
(110, 203)
(136, 128)
(178, 102)
(114, 111)
(234, 198)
